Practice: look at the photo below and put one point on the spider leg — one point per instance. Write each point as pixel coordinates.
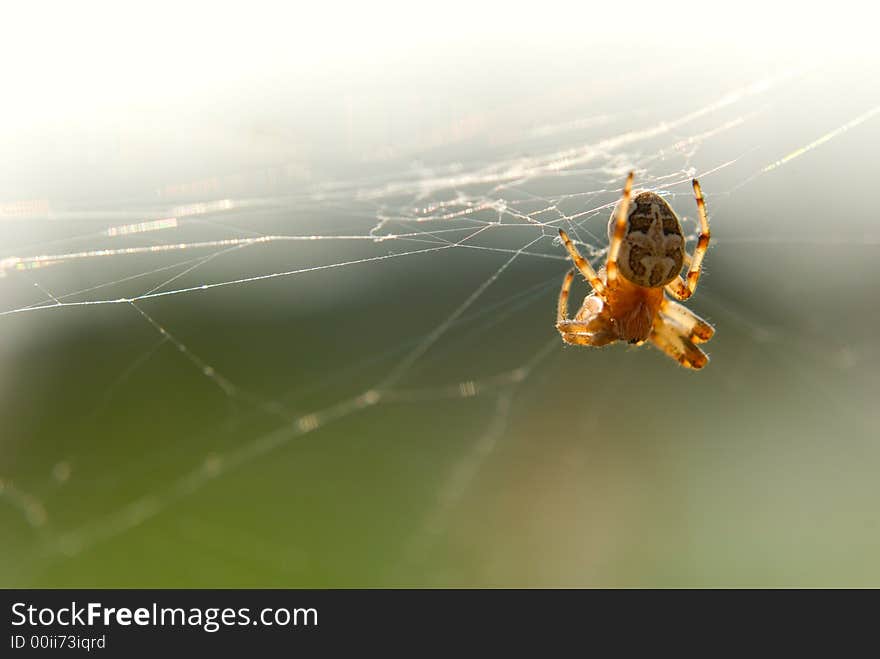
(589, 327)
(596, 323)
(596, 339)
(669, 339)
(619, 231)
(562, 307)
(582, 264)
(689, 323)
(682, 289)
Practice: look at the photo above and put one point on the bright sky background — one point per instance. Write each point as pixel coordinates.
(64, 57)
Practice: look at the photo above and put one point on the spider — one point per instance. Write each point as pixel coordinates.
(646, 253)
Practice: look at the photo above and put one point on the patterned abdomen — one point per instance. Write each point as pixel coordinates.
(652, 253)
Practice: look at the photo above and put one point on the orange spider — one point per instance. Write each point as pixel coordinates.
(645, 256)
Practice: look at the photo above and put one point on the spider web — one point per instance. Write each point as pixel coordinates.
(273, 377)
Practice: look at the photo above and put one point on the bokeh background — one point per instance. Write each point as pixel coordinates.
(279, 286)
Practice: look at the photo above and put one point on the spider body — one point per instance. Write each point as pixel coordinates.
(635, 308)
(629, 301)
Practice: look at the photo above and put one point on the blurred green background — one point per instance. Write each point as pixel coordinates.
(232, 450)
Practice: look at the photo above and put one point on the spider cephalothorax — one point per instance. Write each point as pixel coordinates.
(646, 253)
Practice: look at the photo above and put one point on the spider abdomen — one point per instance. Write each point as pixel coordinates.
(652, 251)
